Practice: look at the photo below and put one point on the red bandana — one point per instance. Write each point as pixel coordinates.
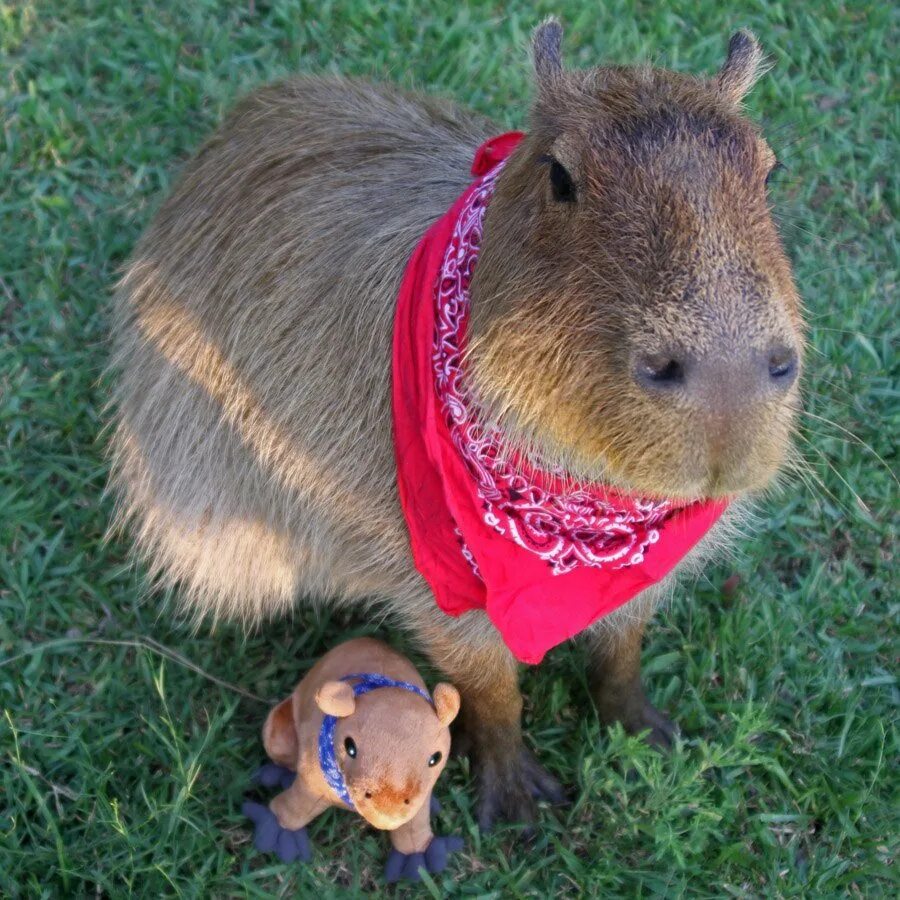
(489, 530)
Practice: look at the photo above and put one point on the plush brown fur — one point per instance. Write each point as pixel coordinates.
(253, 452)
(395, 733)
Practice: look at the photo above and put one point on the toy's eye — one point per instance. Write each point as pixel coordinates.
(435, 758)
(350, 747)
(561, 183)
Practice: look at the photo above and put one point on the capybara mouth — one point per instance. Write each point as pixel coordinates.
(696, 458)
(703, 473)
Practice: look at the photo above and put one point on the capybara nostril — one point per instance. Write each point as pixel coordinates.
(368, 795)
(783, 366)
(660, 371)
(406, 801)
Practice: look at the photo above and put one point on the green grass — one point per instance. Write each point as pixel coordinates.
(122, 766)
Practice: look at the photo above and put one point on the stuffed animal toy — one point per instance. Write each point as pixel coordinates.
(360, 732)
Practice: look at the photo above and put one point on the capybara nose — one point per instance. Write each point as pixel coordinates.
(719, 382)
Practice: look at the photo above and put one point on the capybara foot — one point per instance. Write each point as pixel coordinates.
(629, 705)
(660, 729)
(269, 836)
(509, 788)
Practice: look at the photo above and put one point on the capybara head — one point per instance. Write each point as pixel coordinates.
(634, 316)
(391, 746)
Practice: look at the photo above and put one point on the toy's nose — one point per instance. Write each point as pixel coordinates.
(392, 797)
(369, 797)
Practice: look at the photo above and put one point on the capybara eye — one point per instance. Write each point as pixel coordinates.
(561, 183)
(435, 758)
(775, 168)
(350, 747)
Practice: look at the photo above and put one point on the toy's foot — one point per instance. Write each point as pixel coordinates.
(508, 789)
(407, 866)
(272, 775)
(269, 836)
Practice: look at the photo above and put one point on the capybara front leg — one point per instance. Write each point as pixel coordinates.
(615, 680)
(486, 674)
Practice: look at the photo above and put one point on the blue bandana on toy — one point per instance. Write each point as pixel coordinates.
(366, 681)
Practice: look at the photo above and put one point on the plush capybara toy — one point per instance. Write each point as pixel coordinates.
(361, 732)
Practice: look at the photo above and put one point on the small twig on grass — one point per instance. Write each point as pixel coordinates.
(57, 789)
(137, 644)
(16, 758)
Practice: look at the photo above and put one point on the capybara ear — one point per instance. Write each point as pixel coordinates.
(280, 734)
(546, 50)
(741, 68)
(446, 702)
(335, 698)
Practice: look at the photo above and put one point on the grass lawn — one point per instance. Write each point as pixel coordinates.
(126, 741)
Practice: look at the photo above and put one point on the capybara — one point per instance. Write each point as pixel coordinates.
(634, 323)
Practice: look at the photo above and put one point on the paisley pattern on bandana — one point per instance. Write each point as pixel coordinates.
(566, 525)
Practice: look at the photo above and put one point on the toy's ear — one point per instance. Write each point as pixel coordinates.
(446, 702)
(335, 698)
(280, 734)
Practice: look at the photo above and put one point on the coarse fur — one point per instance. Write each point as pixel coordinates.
(669, 250)
(252, 451)
(253, 442)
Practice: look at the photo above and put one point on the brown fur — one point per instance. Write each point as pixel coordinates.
(670, 243)
(615, 681)
(252, 452)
